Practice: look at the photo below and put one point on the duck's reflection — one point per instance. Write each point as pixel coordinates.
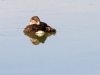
(37, 39)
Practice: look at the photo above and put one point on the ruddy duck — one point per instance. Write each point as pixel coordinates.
(36, 26)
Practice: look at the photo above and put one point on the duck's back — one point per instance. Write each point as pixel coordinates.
(47, 27)
(43, 24)
(31, 28)
(34, 28)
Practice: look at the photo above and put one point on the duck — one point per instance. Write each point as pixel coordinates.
(38, 27)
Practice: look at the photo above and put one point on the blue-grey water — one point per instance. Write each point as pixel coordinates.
(73, 50)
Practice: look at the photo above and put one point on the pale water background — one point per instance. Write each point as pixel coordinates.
(74, 50)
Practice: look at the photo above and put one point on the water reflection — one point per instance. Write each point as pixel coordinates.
(37, 39)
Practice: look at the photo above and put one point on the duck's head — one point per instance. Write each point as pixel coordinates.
(35, 20)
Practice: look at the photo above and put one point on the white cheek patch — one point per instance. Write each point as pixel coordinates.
(31, 23)
(38, 23)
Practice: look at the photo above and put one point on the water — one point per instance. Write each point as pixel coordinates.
(73, 50)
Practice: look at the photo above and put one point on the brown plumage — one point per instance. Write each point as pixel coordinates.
(36, 25)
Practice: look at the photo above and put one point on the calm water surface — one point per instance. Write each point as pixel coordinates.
(73, 50)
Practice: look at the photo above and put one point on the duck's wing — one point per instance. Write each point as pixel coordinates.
(31, 28)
